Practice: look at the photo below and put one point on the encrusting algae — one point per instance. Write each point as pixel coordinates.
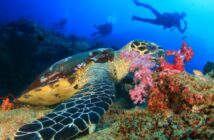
(11, 120)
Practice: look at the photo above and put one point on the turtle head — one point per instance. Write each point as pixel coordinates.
(121, 67)
(145, 47)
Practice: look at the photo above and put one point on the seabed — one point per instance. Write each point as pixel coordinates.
(179, 121)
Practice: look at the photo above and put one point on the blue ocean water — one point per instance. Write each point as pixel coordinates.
(81, 15)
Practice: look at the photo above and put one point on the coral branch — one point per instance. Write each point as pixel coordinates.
(6, 103)
(141, 65)
(180, 58)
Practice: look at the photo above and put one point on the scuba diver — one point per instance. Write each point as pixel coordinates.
(103, 30)
(168, 20)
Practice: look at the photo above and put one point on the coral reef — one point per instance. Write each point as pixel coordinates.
(209, 69)
(141, 65)
(180, 105)
(209, 66)
(59, 25)
(180, 58)
(180, 92)
(140, 124)
(7, 104)
(119, 123)
(188, 114)
(11, 120)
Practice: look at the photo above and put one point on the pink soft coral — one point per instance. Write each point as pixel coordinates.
(181, 57)
(141, 65)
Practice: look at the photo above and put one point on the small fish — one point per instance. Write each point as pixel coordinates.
(198, 73)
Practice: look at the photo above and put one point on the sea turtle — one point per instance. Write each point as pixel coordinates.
(84, 84)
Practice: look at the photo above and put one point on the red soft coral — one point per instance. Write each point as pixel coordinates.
(141, 65)
(166, 93)
(6, 103)
(181, 57)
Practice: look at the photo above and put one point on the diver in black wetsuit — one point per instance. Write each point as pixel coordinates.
(168, 20)
(103, 30)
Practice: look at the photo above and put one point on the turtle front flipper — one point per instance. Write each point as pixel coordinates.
(77, 114)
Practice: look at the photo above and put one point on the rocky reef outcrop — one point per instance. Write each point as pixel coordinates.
(209, 69)
(27, 49)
